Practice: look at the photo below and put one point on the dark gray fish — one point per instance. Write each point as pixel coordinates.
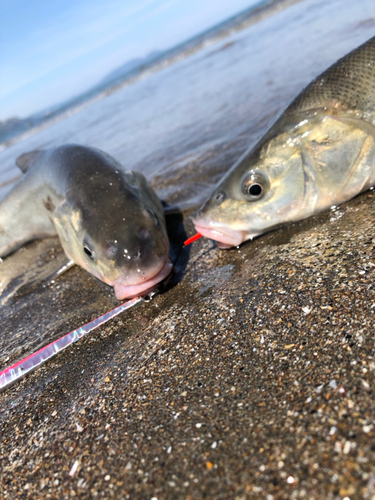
(320, 152)
(110, 221)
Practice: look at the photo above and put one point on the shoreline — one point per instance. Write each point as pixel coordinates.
(256, 14)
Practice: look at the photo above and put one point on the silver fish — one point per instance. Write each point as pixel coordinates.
(109, 221)
(320, 152)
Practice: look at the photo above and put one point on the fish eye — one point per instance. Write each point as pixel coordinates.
(153, 215)
(88, 251)
(253, 186)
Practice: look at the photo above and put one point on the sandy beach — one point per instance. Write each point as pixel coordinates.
(252, 376)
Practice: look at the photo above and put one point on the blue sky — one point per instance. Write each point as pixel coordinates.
(51, 50)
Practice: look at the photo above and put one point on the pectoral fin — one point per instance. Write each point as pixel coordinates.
(23, 216)
(27, 160)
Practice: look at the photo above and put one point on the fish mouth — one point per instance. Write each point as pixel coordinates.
(124, 291)
(225, 236)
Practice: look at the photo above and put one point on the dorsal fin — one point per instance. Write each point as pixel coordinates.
(27, 160)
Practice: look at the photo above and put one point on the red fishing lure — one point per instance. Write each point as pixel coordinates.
(193, 238)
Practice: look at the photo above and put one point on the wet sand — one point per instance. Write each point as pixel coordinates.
(251, 377)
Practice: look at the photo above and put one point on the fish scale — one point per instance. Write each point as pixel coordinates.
(349, 82)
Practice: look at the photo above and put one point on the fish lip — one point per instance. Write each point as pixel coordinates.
(128, 291)
(225, 236)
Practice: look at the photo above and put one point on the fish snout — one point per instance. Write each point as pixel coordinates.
(142, 251)
(128, 254)
(141, 280)
(225, 236)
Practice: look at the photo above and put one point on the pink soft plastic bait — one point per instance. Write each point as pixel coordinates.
(15, 372)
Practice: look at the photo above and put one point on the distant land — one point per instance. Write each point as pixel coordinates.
(134, 64)
(14, 127)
